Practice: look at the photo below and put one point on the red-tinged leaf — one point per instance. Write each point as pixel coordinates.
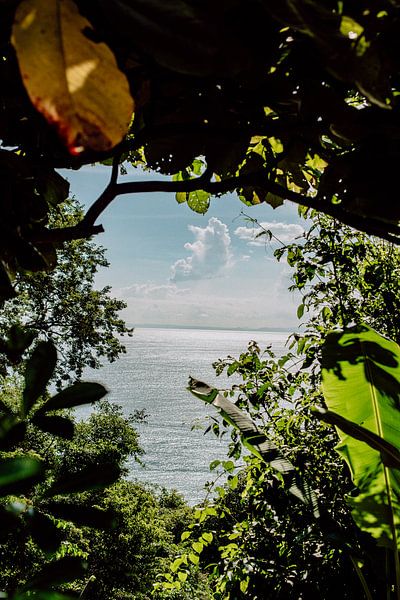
(74, 82)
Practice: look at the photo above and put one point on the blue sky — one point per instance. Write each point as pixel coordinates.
(175, 267)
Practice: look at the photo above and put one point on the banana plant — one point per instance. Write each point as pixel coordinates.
(361, 387)
(255, 440)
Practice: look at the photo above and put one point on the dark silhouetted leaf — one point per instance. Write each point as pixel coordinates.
(38, 371)
(9, 520)
(59, 571)
(82, 515)
(44, 531)
(12, 431)
(44, 595)
(75, 395)
(92, 478)
(17, 341)
(61, 426)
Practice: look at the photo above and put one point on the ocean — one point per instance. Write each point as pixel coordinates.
(153, 376)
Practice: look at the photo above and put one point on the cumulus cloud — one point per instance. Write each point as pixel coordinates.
(210, 253)
(285, 232)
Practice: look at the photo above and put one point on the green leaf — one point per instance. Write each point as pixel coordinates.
(92, 478)
(75, 395)
(59, 571)
(61, 426)
(300, 311)
(181, 197)
(199, 201)
(87, 516)
(390, 455)
(18, 474)
(53, 187)
(39, 369)
(194, 558)
(256, 441)
(198, 547)
(361, 383)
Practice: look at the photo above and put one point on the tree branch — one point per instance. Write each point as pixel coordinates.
(87, 227)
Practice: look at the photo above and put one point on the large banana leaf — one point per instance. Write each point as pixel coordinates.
(256, 441)
(361, 383)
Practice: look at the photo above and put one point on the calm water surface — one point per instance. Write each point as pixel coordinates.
(153, 375)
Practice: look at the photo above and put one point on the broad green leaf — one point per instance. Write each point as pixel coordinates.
(18, 474)
(73, 81)
(199, 201)
(61, 426)
(255, 441)
(92, 478)
(361, 383)
(38, 371)
(389, 454)
(75, 395)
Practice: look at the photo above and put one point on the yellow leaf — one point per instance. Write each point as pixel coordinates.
(74, 82)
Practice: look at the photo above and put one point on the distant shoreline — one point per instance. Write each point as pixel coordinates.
(211, 328)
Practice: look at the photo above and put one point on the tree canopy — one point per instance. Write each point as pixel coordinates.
(274, 100)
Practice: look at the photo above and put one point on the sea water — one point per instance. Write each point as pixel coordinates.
(153, 375)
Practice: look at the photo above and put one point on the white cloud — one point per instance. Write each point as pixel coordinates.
(285, 232)
(211, 253)
(151, 290)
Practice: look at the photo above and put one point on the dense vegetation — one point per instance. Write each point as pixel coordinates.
(293, 100)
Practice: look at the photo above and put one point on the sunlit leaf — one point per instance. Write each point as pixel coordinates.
(73, 81)
(361, 383)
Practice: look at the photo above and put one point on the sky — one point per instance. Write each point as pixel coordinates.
(175, 267)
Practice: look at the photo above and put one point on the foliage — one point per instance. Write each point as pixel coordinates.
(28, 492)
(274, 100)
(63, 522)
(262, 543)
(63, 305)
(344, 277)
